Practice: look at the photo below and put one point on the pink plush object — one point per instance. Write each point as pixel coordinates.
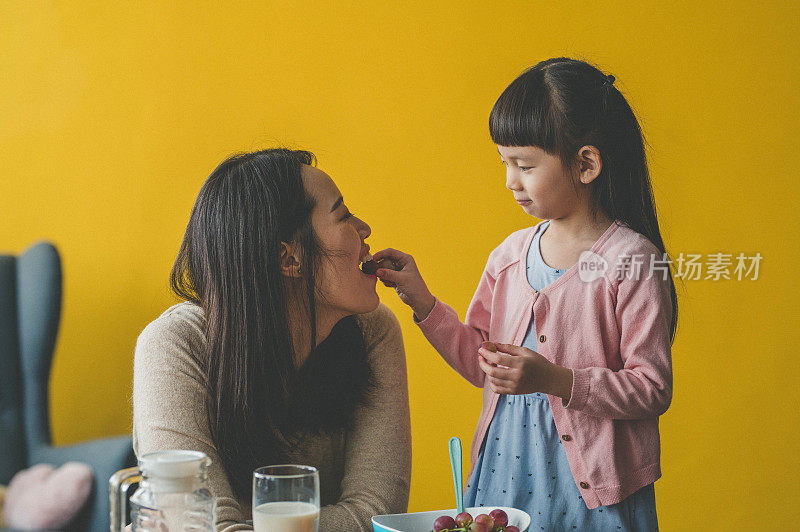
(45, 498)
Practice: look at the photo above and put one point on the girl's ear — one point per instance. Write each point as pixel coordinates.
(291, 259)
(589, 164)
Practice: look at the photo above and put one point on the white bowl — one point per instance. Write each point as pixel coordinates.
(423, 521)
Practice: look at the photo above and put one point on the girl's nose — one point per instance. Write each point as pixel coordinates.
(512, 180)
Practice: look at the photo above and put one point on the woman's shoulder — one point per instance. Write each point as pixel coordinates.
(379, 326)
(185, 318)
(178, 330)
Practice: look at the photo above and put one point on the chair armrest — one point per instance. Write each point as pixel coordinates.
(100, 454)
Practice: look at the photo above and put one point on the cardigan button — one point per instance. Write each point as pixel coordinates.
(566, 437)
(584, 485)
(542, 338)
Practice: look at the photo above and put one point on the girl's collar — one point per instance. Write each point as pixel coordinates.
(596, 248)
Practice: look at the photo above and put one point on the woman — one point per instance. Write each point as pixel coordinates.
(281, 351)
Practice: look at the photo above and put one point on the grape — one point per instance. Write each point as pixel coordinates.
(463, 519)
(500, 518)
(372, 266)
(445, 522)
(369, 267)
(479, 527)
(512, 529)
(486, 520)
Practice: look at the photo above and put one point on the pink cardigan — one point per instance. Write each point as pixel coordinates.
(613, 334)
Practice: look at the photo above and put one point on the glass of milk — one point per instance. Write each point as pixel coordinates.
(286, 499)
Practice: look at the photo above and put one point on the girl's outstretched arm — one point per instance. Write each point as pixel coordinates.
(456, 342)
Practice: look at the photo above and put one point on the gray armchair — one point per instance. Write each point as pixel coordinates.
(30, 309)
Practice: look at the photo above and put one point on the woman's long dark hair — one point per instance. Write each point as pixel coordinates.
(562, 104)
(259, 402)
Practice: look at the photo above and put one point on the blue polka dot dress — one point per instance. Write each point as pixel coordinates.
(522, 463)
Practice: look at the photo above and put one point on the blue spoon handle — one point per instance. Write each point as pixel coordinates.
(455, 464)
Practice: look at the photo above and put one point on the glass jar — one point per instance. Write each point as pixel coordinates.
(173, 494)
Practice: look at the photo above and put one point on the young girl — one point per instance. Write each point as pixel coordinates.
(581, 308)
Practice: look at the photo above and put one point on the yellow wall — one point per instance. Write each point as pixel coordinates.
(111, 117)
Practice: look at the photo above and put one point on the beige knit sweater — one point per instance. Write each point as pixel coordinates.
(364, 472)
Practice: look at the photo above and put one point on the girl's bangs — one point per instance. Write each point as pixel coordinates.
(521, 115)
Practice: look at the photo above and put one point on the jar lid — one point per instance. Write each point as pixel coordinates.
(173, 464)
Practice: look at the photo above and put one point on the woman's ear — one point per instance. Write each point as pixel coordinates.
(291, 258)
(589, 164)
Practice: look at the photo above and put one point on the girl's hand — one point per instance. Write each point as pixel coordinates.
(514, 370)
(407, 282)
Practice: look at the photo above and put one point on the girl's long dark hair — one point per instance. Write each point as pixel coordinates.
(562, 104)
(259, 402)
